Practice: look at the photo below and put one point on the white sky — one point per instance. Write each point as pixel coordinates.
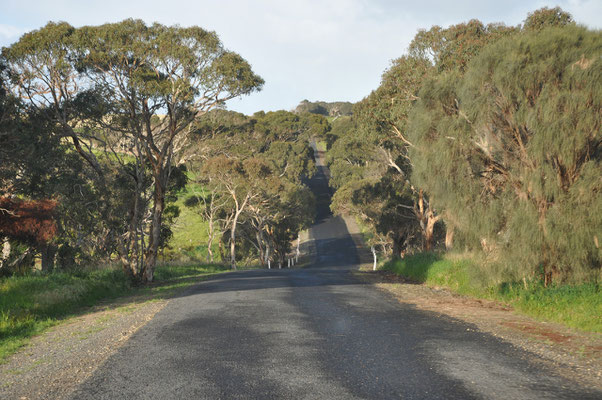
(331, 50)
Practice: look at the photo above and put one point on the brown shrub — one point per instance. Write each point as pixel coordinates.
(27, 220)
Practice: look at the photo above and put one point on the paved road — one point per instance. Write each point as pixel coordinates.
(314, 333)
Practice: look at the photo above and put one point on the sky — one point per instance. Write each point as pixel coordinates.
(328, 50)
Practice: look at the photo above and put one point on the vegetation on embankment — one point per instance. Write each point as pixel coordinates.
(31, 304)
(483, 137)
(189, 239)
(576, 306)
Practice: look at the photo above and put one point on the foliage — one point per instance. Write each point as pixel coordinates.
(190, 228)
(453, 47)
(577, 306)
(511, 150)
(490, 135)
(370, 165)
(103, 88)
(28, 221)
(251, 171)
(547, 17)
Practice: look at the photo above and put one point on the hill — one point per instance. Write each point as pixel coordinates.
(333, 109)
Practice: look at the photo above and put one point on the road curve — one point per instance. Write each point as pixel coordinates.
(315, 333)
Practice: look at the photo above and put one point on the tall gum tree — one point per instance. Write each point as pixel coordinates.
(260, 175)
(43, 74)
(145, 71)
(149, 83)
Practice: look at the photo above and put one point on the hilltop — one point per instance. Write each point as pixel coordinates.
(333, 109)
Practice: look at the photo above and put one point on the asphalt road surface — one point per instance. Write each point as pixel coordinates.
(315, 333)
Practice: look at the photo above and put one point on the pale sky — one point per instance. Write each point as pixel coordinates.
(330, 50)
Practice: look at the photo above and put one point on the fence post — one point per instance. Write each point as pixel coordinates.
(374, 255)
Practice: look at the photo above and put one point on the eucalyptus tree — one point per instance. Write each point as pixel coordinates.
(146, 70)
(145, 84)
(378, 156)
(370, 164)
(547, 17)
(293, 211)
(43, 73)
(255, 167)
(243, 181)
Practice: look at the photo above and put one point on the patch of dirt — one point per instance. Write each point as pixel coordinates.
(55, 362)
(576, 355)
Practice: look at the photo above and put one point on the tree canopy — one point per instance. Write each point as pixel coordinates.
(488, 132)
(134, 85)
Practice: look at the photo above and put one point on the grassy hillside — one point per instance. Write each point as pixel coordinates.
(189, 241)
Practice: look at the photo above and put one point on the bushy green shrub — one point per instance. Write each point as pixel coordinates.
(512, 152)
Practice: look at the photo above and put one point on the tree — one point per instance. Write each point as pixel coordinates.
(453, 47)
(517, 158)
(43, 73)
(120, 77)
(36, 167)
(208, 203)
(255, 167)
(370, 164)
(547, 17)
(241, 180)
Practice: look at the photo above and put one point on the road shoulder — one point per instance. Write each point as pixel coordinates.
(573, 354)
(55, 362)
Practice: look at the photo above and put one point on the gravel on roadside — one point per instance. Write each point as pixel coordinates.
(55, 362)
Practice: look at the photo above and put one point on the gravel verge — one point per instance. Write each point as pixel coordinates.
(55, 362)
(574, 354)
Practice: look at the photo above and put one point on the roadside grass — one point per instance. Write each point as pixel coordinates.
(576, 306)
(31, 304)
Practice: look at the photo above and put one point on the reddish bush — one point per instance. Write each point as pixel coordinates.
(29, 221)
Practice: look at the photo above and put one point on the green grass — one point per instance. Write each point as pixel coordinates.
(31, 304)
(189, 240)
(576, 306)
(321, 145)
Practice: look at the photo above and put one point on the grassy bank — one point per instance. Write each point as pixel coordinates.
(189, 240)
(31, 304)
(578, 306)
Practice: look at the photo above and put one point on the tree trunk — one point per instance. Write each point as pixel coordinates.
(47, 251)
(155, 233)
(222, 251)
(233, 241)
(259, 238)
(396, 252)
(131, 247)
(427, 219)
(210, 241)
(449, 237)
(428, 233)
(267, 252)
(5, 252)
